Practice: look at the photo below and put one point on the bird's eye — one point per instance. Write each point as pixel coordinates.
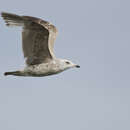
(67, 62)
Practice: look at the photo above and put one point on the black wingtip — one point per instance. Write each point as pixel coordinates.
(3, 14)
(6, 73)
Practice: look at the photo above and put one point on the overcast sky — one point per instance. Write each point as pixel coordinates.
(92, 33)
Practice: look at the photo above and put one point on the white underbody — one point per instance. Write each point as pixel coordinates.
(43, 69)
(54, 66)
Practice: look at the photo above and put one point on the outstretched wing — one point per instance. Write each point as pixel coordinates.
(38, 37)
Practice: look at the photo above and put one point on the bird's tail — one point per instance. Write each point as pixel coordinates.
(12, 19)
(17, 73)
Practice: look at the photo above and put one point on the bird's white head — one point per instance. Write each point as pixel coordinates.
(66, 64)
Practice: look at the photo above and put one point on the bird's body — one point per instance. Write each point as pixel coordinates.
(44, 69)
(38, 38)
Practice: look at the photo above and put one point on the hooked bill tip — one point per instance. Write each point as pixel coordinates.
(77, 66)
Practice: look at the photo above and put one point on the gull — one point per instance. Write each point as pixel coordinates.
(38, 38)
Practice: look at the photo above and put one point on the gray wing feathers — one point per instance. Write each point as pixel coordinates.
(12, 19)
(52, 38)
(27, 38)
(35, 43)
(38, 37)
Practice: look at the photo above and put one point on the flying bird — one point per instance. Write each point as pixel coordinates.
(38, 38)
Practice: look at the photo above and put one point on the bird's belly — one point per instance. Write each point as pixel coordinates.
(41, 70)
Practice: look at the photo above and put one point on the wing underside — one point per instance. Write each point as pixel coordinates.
(37, 38)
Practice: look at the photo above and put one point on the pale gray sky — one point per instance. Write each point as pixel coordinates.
(92, 33)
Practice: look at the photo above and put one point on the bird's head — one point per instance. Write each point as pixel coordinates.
(66, 64)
